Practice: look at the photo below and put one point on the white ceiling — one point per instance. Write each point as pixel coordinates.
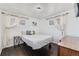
(30, 9)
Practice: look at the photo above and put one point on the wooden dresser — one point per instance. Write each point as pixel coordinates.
(69, 46)
(63, 51)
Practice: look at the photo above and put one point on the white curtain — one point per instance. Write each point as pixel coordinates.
(7, 32)
(1, 33)
(11, 30)
(60, 23)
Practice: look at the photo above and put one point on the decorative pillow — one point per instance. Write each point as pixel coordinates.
(30, 32)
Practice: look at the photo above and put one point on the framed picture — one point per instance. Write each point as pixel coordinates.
(34, 23)
(11, 22)
(22, 22)
(51, 22)
(58, 20)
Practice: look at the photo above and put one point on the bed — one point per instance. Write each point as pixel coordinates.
(37, 41)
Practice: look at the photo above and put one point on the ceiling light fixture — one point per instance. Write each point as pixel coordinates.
(38, 8)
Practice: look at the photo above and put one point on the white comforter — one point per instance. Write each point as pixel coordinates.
(37, 41)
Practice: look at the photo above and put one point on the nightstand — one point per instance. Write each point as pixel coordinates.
(17, 40)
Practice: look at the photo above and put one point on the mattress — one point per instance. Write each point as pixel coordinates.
(37, 41)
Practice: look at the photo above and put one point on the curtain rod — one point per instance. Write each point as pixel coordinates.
(58, 15)
(13, 15)
(28, 18)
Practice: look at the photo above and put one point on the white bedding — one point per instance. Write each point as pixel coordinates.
(37, 41)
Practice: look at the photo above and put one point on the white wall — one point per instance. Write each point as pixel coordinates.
(72, 24)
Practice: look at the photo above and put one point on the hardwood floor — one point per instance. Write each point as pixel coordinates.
(24, 50)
